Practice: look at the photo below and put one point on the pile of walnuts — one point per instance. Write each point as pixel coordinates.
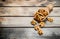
(39, 20)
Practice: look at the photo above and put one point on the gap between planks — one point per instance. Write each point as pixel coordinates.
(26, 6)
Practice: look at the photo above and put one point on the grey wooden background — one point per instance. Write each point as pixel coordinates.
(17, 18)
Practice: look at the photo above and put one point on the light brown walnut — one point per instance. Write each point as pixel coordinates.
(50, 19)
(36, 27)
(40, 32)
(33, 22)
(41, 24)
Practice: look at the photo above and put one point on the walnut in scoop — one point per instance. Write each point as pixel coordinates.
(42, 11)
(39, 16)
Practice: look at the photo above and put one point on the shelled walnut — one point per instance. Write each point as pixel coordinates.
(40, 32)
(39, 16)
(36, 27)
(42, 11)
(33, 22)
(41, 24)
(50, 19)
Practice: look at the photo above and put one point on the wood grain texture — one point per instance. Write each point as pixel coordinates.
(28, 2)
(25, 11)
(30, 33)
(26, 22)
(17, 21)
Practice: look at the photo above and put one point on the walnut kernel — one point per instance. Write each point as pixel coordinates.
(41, 24)
(33, 22)
(50, 19)
(40, 32)
(36, 27)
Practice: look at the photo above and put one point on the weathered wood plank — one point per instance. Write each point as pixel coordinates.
(25, 22)
(25, 11)
(30, 33)
(28, 2)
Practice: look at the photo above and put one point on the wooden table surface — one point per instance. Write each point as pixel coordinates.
(16, 24)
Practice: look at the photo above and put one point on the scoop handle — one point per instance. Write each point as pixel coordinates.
(48, 8)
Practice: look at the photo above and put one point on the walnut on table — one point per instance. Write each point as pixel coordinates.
(40, 32)
(36, 27)
(33, 22)
(41, 24)
(50, 19)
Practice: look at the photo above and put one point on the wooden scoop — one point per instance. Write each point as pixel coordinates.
(49, 8)
(43, 13)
